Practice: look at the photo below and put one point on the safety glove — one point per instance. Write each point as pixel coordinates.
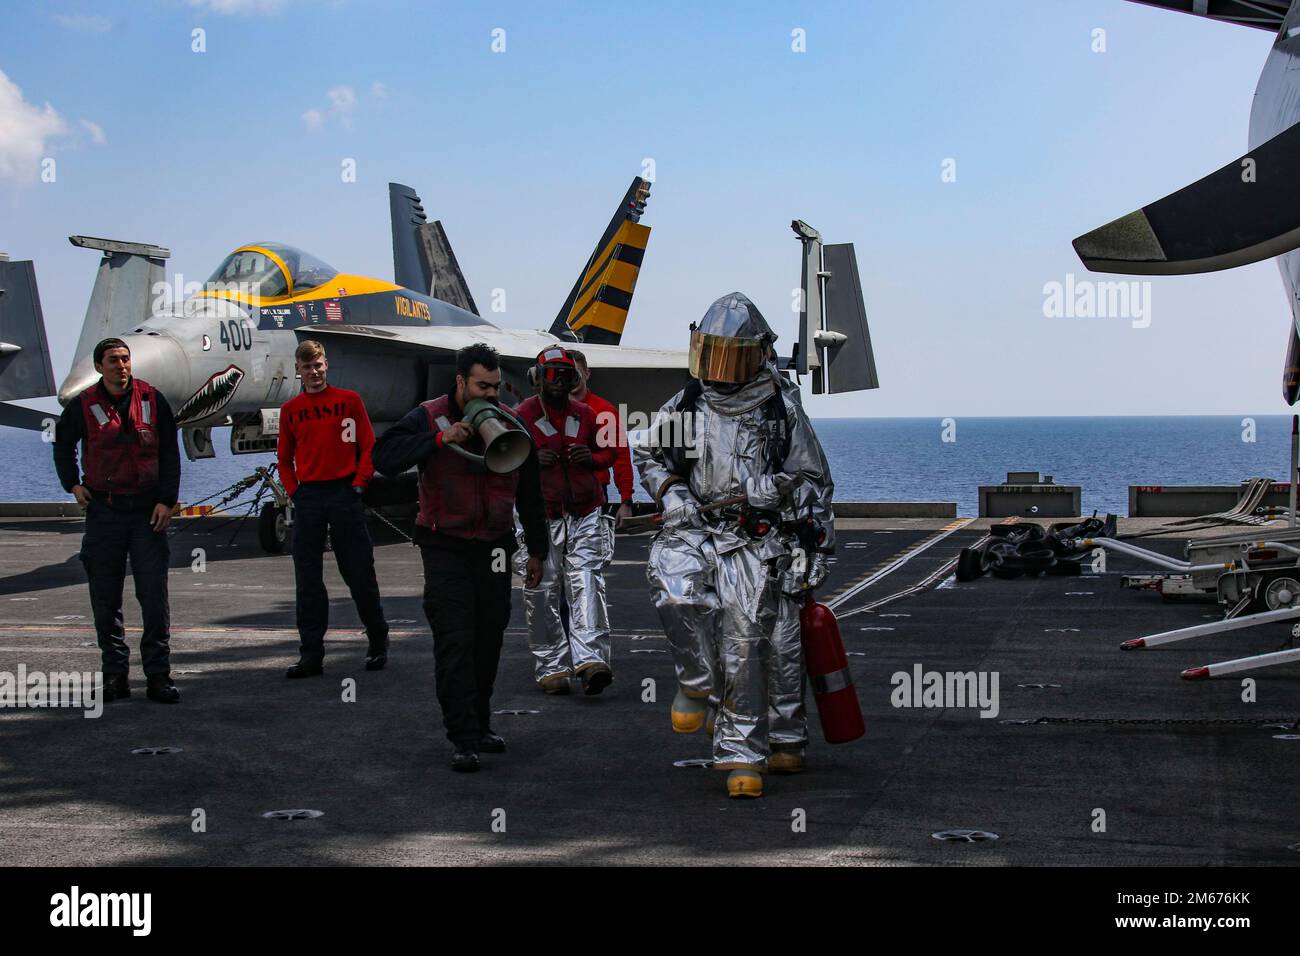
(681, 510)
(767, 491)
(818, 568)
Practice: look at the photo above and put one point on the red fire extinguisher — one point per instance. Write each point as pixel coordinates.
(828, 672)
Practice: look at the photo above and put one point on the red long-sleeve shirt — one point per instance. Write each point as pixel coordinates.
(606, 420)
(314, 445)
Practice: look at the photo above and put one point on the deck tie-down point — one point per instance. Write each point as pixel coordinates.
(965, 836)
(292, 814)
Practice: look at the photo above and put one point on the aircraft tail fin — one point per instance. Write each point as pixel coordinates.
(25, 369)
(597, 306)
(448, 283)
(408, 218)
(422, 256)
(124, 288)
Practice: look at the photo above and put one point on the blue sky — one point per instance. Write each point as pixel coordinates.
(523, 153)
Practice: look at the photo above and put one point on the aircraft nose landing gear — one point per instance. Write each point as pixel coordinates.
(275, 522)
(273, 526)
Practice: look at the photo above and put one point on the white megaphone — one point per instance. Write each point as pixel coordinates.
(506, 442)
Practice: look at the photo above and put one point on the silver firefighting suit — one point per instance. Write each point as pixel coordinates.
(574, 573)
(718, 591)
(787, 718)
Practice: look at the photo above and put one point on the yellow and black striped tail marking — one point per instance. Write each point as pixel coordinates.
(605, 291)
(596, 307)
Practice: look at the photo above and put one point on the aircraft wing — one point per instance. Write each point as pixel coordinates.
(1260, 14)
(640, 379)
(1244, 212)
(515, 344)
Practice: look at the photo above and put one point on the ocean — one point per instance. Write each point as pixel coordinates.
(894, 459)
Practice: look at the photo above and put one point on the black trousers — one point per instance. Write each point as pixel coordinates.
(333, 508)
(467, 601)
(111, 537)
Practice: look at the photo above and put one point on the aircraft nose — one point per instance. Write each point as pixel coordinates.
(82, 376)
(158, 359)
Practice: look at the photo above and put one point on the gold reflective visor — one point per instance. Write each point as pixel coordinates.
(720, 358)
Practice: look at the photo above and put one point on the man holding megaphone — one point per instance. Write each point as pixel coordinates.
(582, 536)
(476, 466)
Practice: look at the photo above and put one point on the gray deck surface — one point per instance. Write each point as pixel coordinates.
(591, 780)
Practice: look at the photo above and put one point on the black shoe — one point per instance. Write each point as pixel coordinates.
(595, 679)
(161, 689)
(491, 743)
(305, 668)
(465, 759)
(377, 654)
(116, 687)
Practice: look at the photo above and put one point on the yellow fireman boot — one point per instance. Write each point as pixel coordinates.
(688, 712)
(744, 783)
(555, 683)
(785, 761)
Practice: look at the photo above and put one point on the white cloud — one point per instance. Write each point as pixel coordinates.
(343, 102)
(96, 132)
(24, 128)
(84, 22)
(378, 90)
(342, 99)
(237, 7)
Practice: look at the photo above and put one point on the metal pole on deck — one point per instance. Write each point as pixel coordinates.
(1295, 460)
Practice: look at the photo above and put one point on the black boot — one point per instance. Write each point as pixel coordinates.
(595, 679)
(116, 687)
(491, 742)
(377, 654)
(161, 689)
(465, 759)
(306, 667)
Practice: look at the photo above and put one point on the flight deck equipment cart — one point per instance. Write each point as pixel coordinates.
(1257, 581)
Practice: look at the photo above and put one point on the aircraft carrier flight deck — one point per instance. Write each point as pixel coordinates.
(1093, 756)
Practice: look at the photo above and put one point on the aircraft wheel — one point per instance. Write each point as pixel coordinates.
(272, 528)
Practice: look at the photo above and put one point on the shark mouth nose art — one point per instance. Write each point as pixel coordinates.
(212, 396)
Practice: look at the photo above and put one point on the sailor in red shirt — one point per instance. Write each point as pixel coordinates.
(324, 453)
(582, 537)
(610, 433)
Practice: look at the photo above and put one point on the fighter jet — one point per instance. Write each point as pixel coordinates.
(224, 356)
(1244, 212)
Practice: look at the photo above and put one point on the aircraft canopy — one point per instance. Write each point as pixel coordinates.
(270, 269)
